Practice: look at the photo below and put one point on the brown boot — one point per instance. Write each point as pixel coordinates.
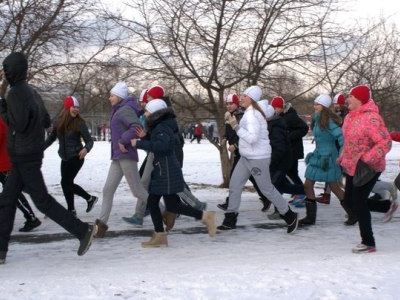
(169, 220)
(159, 239)
(208, 219)
(101, 229)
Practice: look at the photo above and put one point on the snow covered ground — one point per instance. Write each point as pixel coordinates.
(256, 261)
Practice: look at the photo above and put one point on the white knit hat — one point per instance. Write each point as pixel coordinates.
(120, 90)
(324, 100)
(254, 92)
(155, 105)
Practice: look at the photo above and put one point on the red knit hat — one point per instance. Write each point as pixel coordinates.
(232, 98)
(277, 102)
(143, 96)
(361, 92)
(339, 99)
(156, 92)
(70, 101)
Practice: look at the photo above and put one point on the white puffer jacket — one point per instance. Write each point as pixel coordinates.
(253, 135)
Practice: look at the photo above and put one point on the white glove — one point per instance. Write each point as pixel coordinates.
(232, 121)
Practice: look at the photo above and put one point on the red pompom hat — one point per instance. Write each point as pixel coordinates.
(339, 99)
(361, 92)
(156, 92)
(70, 101)
(277, 102)
(232, 98)
(143, 96)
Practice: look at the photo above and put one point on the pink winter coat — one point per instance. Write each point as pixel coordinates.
(365, 137)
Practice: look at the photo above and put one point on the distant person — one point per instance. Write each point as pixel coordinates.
(197, 133)
(5, 167)
(366, 143)
(26, 117)
(71, 130)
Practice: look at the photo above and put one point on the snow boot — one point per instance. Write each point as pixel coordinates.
(169, 220)
(224, 206)
(208, 219)
(159, 239)
(292, 220)
(311, 213)
(101, 229)
(229, 221)
(351, 216)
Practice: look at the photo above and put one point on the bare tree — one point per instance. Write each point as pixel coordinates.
(211, 48)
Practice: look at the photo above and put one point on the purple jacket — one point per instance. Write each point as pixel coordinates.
(123, 122)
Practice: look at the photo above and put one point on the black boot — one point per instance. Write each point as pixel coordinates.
(224, 206)
(266, 204)
(229, 221)
(292, 220)
(351, 216)
(311, 213)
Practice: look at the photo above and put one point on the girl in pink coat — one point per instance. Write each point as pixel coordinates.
(366, 140)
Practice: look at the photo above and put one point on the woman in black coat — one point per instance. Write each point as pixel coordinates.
(166, 178)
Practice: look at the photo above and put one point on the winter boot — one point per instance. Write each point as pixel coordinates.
(229, 221)
(292, 220)
(101, 229)
(159, 239)
(351, 216)
(324, 198)
(208, 219)
(30, 225)
(311, 213)
(224, 206)
(169, 220)
(266, 204)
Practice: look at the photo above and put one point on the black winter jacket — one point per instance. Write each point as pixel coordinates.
(166, 178)
(71, 142)
(24, 112)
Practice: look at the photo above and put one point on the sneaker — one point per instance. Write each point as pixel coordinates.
(137, 222)
(91, 202)
(389, 214)
(298, 199)
(86, 241)
(361, 248)
(30, 225)
(274, 216)
(324, 198)
(3, 255)
(223, 206)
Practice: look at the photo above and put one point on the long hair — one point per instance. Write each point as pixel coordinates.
(327, 114)
(67, 123)
(257, 107)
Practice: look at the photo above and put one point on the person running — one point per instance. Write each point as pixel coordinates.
(5, 167)
(366, 143)
(255, 158)
(321, 163)
(26, 118)
(124, 158)
(167, 178)
(70, 130)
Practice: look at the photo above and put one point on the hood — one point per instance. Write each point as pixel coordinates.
(131, 101)
(15, 68)
(165, 115)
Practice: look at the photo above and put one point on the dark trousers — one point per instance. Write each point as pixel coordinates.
(283, 185)
(22, 203)
(27, 176)
(172, 204)
(69, 170)
(293, 172)
(356, 197)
